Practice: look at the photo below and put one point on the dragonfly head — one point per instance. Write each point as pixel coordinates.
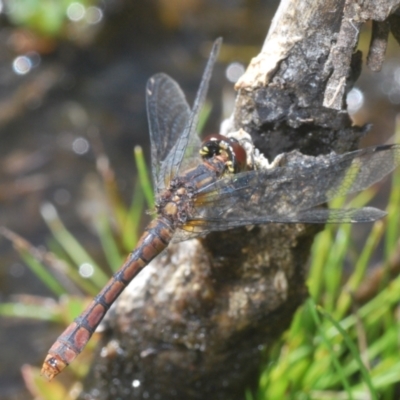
(228, 149)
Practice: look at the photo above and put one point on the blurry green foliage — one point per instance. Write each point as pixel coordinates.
(46, 17)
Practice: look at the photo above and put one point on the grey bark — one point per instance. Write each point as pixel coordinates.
(194, 322)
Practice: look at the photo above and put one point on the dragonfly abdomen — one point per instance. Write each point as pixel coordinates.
(71, 342)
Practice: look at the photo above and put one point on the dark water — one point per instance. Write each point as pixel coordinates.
(88, 88)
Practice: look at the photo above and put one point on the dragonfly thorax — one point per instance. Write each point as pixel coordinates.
(175, 203)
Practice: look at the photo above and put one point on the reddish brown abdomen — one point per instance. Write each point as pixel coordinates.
(72, 341)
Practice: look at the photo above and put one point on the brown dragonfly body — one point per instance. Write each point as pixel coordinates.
(174, 208)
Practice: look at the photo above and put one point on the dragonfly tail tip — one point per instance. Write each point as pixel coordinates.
(52, 366)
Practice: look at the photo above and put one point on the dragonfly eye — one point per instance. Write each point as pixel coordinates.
(233, 153)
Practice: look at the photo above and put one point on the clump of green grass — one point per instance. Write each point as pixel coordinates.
(118, 229)
(344, 341)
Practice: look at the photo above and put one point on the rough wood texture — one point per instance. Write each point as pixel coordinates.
(354, 14)
(193, 324)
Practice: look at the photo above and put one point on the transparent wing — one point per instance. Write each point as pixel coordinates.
(197, 227)
(184, 153)
(288, 194)
(168, 114)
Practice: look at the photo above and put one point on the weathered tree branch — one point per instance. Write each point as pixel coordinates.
(193, 323)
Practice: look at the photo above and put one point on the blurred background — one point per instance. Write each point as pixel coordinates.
(72, 80)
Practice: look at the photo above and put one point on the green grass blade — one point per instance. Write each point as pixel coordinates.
(23, 310)
(33, 259)
(41, 272)
(393, 220)
(132, 224)
(333, 272)
(373, 311)
(389, 376)
(71, 271)
(319, 254)
(339, 369)
(72, 247)
(108, 243)
(354, 351)
(345, 299)
(144, 176)
(115, 202)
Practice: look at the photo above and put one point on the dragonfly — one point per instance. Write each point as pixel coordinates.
(208, 186)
